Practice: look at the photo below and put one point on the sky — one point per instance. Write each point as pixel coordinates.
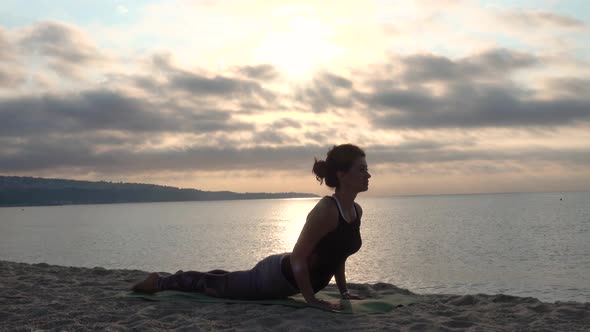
(444, 96)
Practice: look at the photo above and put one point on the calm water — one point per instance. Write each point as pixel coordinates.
(520, 244)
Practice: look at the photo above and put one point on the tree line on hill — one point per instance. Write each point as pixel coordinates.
(29, 191)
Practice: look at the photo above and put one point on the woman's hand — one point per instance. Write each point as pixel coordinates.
(325, 305)
(348, 296)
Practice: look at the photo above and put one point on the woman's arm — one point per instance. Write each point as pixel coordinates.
(341, 283)
(340, 275)
(322, 219)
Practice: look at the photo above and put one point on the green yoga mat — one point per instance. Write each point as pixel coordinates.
(381, 301)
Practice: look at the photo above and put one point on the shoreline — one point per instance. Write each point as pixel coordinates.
(51, 297)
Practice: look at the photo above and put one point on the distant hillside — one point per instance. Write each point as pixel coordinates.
(27, 191)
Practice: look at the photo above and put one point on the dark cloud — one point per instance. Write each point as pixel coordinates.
(478, 93)
(397, 99)
(70, 154)
(286, 123)
(216, 86)
(44, 153)
(403, 102)
(572, 86)
(64, 154)
(104, 110)
(537, 18)
(318, 137)
(260, 72)
(162, 62)
(147, 83)
(60, 41)
(500, 60)
(443, 153)
(66, 48)
(335, 81)
(248, 95)
(271, 136)
(326, 91)
(176, 79)
(88, 111)
(491, 64)
(471, 107)
(414, 145)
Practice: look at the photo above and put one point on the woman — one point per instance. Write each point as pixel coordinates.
(330, 234)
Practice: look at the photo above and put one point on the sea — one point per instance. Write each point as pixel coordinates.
(522, 244)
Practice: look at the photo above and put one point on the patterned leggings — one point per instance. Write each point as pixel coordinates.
(263, 281)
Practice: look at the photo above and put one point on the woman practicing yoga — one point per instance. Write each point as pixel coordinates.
(330, 234)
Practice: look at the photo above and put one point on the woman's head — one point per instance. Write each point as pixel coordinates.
(345, 165)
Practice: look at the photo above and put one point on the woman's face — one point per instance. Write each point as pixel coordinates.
(357, 178)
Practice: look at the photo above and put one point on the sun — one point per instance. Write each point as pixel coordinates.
(298, 48)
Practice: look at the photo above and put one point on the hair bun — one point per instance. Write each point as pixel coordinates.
(319, 169)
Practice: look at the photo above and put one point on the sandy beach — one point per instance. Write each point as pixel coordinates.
(37, 297)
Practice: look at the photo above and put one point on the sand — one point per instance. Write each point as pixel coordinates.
(37, 297)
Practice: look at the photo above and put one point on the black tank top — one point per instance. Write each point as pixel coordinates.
(330, 252)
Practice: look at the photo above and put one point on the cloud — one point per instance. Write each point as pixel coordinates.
(473, 107)
(63, 154)
(11, 73)
(488, 65)
(286, 123)
(432, 153)
(216, 86)
(5, 47)
(317, 137)
(104, 110)
(326, 91)
(478, 92)
(425, 100)
(569, 86)
(205, 86)
(540, 18)
(66, 48)
(10, 76)
(270, 136)
(82, 155)
(260, 72)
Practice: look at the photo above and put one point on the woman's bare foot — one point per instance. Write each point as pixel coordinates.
(149, 285)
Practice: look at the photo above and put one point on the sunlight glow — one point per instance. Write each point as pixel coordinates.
(299, 48)
(294, 215)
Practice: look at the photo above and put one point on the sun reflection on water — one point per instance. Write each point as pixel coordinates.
(292, 215)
